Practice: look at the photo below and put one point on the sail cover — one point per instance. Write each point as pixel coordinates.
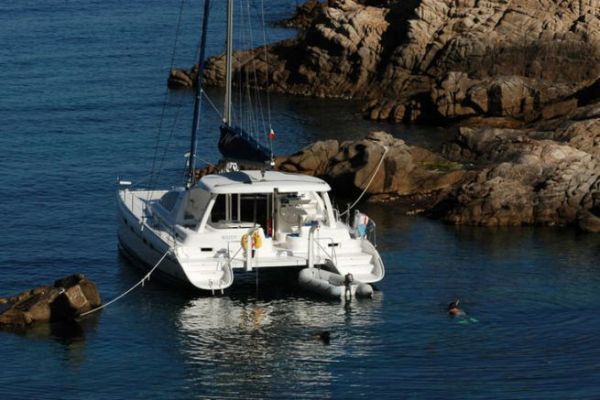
(237, 144)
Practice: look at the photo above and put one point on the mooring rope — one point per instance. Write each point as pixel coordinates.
(125, 293)
(369, 183)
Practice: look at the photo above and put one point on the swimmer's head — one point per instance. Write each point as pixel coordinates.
(453, 308)
(453, 305)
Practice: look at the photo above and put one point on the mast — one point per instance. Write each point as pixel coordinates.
(229, 63)
(235, 144)
(198, 98)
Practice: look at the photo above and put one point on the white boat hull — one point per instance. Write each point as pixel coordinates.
(205, 258)
(141, 242)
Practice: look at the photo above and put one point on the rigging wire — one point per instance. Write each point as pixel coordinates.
(264, 29)
(239, 79)
(255, 117)
(254, 88)
(248, 91)
(267, 83)
(210, 102)
(176, 120)
(246, 117)
(165, 99)
(169, 139)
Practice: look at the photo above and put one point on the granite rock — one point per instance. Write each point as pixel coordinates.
(65, 300)
(527, 176)
(386, 168)
(419, 59)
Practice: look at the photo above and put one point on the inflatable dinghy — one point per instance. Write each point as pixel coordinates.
(330, 284)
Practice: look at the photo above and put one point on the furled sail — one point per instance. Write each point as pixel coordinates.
(236, 144)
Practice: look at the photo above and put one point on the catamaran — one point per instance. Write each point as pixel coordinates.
(206, 231)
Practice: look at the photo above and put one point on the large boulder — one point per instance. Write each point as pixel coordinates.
(386, 168)
(68, 298)
(312, 160)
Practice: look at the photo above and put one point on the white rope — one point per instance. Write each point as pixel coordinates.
(141, 282)
(369, 183)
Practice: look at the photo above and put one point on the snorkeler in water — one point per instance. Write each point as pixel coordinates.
(454, 310)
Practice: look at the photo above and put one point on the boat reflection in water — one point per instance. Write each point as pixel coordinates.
(270, 348)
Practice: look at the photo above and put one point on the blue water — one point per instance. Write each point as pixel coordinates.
(83, 85)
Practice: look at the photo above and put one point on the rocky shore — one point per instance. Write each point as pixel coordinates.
(547, 174)
(388, 169)
(431, 60)
(544, 174)
(519, 82)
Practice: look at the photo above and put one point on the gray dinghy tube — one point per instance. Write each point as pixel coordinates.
(330, 284)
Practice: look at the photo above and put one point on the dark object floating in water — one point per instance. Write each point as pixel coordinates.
(68, 298)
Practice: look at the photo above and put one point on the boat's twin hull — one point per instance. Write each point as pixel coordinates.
(143, 239)
(139, 252)
(140, 242)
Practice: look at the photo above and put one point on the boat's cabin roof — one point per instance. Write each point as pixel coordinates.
(259, 182)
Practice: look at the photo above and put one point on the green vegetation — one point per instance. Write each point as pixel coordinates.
(441, 165)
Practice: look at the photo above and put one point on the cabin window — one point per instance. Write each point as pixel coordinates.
(168, 200)
(242, 209)
(253, 208)
(218, 211)
(196, 202)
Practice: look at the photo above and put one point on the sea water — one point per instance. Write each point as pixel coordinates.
(82, 97)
